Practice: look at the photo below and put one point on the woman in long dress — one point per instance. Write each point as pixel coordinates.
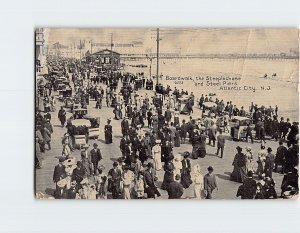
(169, 174)
(261, 160)
(108, 132)
(176, 118)
(239, 173)
(186, 170)
(177, 162)
(177, 137)
(197, 179)
(249, 155)
(156, 152)
(155, 123)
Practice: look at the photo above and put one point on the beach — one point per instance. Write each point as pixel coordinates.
(188, 74)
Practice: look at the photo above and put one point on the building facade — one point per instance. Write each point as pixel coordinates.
(39, 48)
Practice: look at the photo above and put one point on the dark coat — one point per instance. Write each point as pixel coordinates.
(249, 188)
(125, 126)
(149, 181)
(210, 182)
(175, 190)
(281, 155)
(58, 173)
(269, 165)
(95, 156)
(168, 115)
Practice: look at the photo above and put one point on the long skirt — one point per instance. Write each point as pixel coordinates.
(198, 191)
(176, 120)
(239, 174)
(186, 180)
(108, 137)
(168, 178)
(198, 152)
(157, 160)
(177, 142)
(126, 192)
(155, 127)
(118, 114)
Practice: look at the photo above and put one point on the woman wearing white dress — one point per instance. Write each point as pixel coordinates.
(197, 179)
(127, 178)
(156, 153)
(177, 165)
(261, 160)
(249, 155)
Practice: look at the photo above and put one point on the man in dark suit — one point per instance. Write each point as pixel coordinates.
(149, 181)
(168, 114)
(220, 143)
(269, 164)
(58, 174)
(175, 189)
(114, 179)
(59, 170)
(149, 118)
(94, 157)
(280, 157)
(125, 126)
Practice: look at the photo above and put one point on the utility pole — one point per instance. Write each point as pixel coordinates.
(157, 55)
(111, 52)
(91, 46)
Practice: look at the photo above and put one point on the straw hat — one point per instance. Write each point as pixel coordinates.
(248, 148)
(178, 157)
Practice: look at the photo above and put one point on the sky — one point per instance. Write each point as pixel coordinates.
(187, 40)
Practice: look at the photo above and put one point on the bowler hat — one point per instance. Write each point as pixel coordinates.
(186, 154)
(210, 168)
(115, 164)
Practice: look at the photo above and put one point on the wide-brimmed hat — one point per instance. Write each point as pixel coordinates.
(69, 162)
(61, 183)
(95, 144)
(102, 167)
(239, 148)
(177, 157)
(84, 181)
(248, 148)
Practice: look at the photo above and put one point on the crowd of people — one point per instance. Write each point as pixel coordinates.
(151, 128)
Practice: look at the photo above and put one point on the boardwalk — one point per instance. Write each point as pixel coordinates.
(222, 167)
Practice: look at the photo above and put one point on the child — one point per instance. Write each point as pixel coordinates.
(100, 181)
(139, 186)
